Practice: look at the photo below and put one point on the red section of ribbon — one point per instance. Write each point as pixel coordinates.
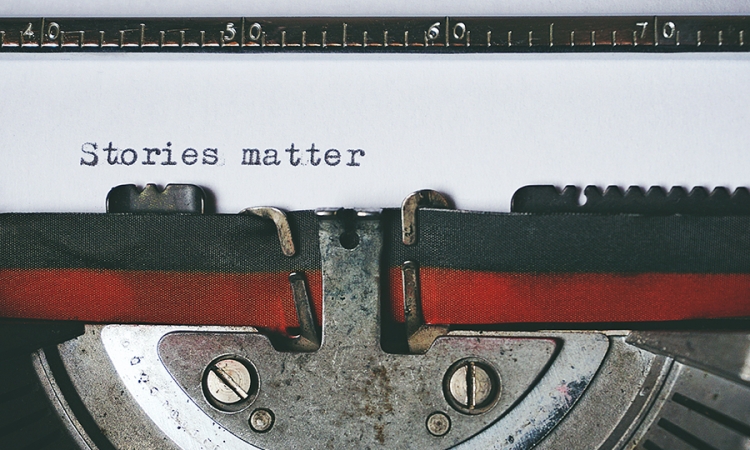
(452, 296)
(449, 296)
(112, 296)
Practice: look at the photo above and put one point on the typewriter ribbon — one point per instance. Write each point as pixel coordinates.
(233, 310)
(474, 268)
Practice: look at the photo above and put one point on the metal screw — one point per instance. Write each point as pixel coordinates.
(261, 420)
(228, 381)
(472, 386)
(438, 424)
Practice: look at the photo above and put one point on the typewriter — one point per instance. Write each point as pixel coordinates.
(418, 327)
(591, 318)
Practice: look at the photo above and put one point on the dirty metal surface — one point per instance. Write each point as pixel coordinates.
(610, 410)
(141, 386)
(697, 409)
(350, 391)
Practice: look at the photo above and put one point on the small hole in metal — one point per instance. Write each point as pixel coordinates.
(349, 239)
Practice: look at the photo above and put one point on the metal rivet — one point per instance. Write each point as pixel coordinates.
(472, 386)
(228, 381)
(438, 424)
(261, 420)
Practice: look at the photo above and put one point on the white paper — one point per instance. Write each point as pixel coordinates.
(476, 127)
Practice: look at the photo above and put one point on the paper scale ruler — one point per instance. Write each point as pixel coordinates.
(367, 34)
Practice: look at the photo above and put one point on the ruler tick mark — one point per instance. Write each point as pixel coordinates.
(572, 38)
(677, 37)
(468, 38)
(343, 36)
(531, 34)
(283, 39)
(614, 38)
(323, 39)
(699, 38)
(742, 37)
(364, 39)
(551, 34)
(142, 36)
(304, 38)
(122, 38)
(721, 37)
(406, 38)
(510, 38)
(101, 39)
(447, 34)
(203, 39)
(385, 38)
(182, 38)
(162, 34)
(242, 33)
(489, 39)
(2, 38)
(593, 38)
(635, 38)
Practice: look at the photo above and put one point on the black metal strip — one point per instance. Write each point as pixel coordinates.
(500, 242)
(712, 414)
(583, 243)
(383, 34)
(685, 436)
(213, 243)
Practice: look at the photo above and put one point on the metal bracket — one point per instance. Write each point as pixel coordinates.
(282, 225)
(350, 391)
(308, 339)
(419, 335)
(173, 199)
(409, 206)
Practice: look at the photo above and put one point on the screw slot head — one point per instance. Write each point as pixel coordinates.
(438, 424)
(472, 386)
(261, 420)
(230, 383)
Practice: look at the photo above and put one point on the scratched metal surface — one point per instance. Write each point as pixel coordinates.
(385, 34)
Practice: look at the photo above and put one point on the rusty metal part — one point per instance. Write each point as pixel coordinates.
(174, 198)
(261, 420)
(228, 381)
(308, 339)
(135, 386)
(419, 336)
(423, 198)
(438, 424)
(472, 386)
(282, 225)
(350, 381)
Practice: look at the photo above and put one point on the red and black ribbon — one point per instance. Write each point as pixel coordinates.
(475, 268)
